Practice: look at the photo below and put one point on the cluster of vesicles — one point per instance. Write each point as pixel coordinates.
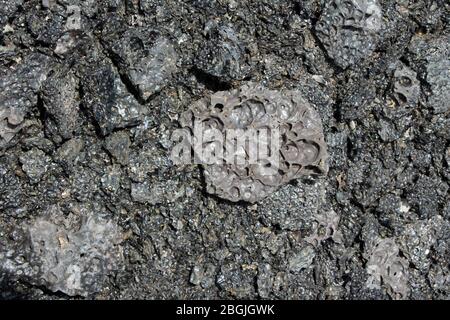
(406, 86)
(348, 28)
(386, 266)
(302, 149)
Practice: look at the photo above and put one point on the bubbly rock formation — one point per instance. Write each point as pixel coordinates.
(406, 86)
(348, 29)
(386, 266)
(281, 122)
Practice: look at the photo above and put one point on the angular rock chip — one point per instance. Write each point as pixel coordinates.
(118, 145)
(61, 102)
(109, 102)
(438, 70)
(224, 54)
(145, 57)
(18, 93)
(35, 164)
(7, 9)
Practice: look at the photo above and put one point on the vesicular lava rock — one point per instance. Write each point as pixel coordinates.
(406, 86)
(301, 144)
(325, 227)
(386, 266)
(347, 29)
(73, 261)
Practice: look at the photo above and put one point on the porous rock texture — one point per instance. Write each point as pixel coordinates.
(93, 206)
(348, 29)
(248, 120)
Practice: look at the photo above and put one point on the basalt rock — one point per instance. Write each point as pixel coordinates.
(281, 122)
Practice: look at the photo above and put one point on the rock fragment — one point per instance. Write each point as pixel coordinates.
(18, 93)
(438, 70)
(109, 102)
(406, 86)
(348, 29)
(145, 57)
(118, 145)
(264, 281)
(224, 54)
(35, 164)
(301, 259)
(283, 121)
(385, 266)
(61, 100)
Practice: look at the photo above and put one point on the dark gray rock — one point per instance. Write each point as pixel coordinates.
(69, 153)
(428, 195)
(7, 9)
(224, 55)
(156, 193)
(348, 29)
(420, 238)
(235, 281)
(109, 102)
(18, 93)
(111, 179)
(118, 145)
(301, 260)
(46, 26)
(73, 254)
(35, 164)
(145, 57)
(60, 97)
(437, 77)
(302, 205)
(147, 161)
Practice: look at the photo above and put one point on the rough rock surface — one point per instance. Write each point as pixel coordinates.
(72, 255)
(92, 205)
(255, 141)
(348, 29)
